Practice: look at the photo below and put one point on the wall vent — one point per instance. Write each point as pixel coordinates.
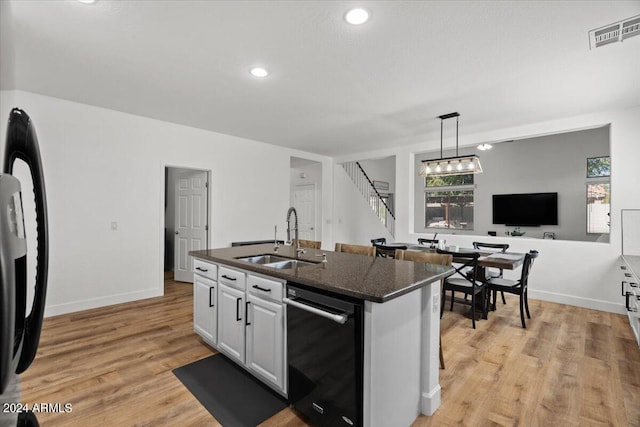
(615, 32)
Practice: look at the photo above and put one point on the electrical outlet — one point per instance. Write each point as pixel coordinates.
(114, 226)
(436, 303)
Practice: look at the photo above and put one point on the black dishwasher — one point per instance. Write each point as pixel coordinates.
(325, 352)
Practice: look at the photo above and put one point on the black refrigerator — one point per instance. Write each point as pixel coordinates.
(20, 328)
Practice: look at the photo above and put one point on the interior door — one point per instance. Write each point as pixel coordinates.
(190, 221)
(304, 200)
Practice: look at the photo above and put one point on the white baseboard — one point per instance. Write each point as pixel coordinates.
(431, 401)
(578, 301)
(73, 306)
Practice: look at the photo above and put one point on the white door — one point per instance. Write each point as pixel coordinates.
(204, 308)
(304, 200)
(265, 340)
(190, 221)
(231, 322)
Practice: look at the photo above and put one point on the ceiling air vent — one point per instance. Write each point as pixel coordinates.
(615, 32)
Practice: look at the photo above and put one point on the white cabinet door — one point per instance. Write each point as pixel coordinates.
(204, 308)
(231, 312)
(265, 340)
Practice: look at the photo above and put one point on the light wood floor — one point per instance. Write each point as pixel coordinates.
(571, 367)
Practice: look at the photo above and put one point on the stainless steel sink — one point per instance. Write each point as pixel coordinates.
(289, 264)
(264, 259)
(276, 261)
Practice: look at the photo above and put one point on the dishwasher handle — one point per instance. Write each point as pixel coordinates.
(338, 318)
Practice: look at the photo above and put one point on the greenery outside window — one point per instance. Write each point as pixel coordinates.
(449, 201)
(598, 167)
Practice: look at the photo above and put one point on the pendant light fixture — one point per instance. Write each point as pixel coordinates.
(458, 165)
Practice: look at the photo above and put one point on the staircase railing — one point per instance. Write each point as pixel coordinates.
(371, 194)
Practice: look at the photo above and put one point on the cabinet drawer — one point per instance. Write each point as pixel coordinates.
(265, 288)
(231, 277)
(205, 269)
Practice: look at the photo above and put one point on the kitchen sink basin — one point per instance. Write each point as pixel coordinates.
(289, 264)
(264, 259)
(276, 261)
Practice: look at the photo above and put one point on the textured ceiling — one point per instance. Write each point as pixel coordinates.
(334, 88)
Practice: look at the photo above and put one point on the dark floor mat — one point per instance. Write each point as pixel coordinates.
(231, 394)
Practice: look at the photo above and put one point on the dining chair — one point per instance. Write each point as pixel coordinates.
(431, 242)
(516, 287)
(492, 272)
(379, 241)
(427, 258)
(388, 251)
(356, 249)
(465, 280)
(311, 244)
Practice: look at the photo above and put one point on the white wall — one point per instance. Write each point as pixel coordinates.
(102, 165)
(553, 163)
(577, 273)
(381, 170)
(354, 220)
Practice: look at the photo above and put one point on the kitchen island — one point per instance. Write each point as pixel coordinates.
(401, 321)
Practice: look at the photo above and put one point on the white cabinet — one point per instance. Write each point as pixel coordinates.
(265, 340)
(205, 319)
(231, 312)
(630, 281)
(242, 315)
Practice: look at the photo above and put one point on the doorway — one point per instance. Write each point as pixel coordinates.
(186, 219)
(305, 196)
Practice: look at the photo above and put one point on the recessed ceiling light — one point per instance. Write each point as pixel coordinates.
(484, 147)
(259, 72)
(357, 16)
(87, 1)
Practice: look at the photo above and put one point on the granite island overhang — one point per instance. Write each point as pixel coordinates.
(372, 279)
(401, 321)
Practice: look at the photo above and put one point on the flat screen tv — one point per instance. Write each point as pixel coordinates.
(527, 209)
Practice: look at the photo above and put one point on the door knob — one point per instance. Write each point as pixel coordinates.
(177, 232)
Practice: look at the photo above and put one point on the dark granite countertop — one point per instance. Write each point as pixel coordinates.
(633, 261)
(368, 278)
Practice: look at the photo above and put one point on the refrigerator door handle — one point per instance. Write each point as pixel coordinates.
(22, 143)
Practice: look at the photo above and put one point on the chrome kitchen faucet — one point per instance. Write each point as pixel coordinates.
(292, 210)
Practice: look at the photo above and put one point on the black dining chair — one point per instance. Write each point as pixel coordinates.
(465, 280)
(516, 287)
(388, 251)
(379, 241)
(431, 242)
(493, 272)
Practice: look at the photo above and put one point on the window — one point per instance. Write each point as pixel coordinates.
(598, 195)
(598, 167)
(598, 207)
(449, 202)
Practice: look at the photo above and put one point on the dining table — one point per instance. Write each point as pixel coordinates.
(496, 259)
(488, 259)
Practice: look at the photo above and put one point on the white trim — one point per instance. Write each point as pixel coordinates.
(577, 301)
(87, 304)
(431, 401)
